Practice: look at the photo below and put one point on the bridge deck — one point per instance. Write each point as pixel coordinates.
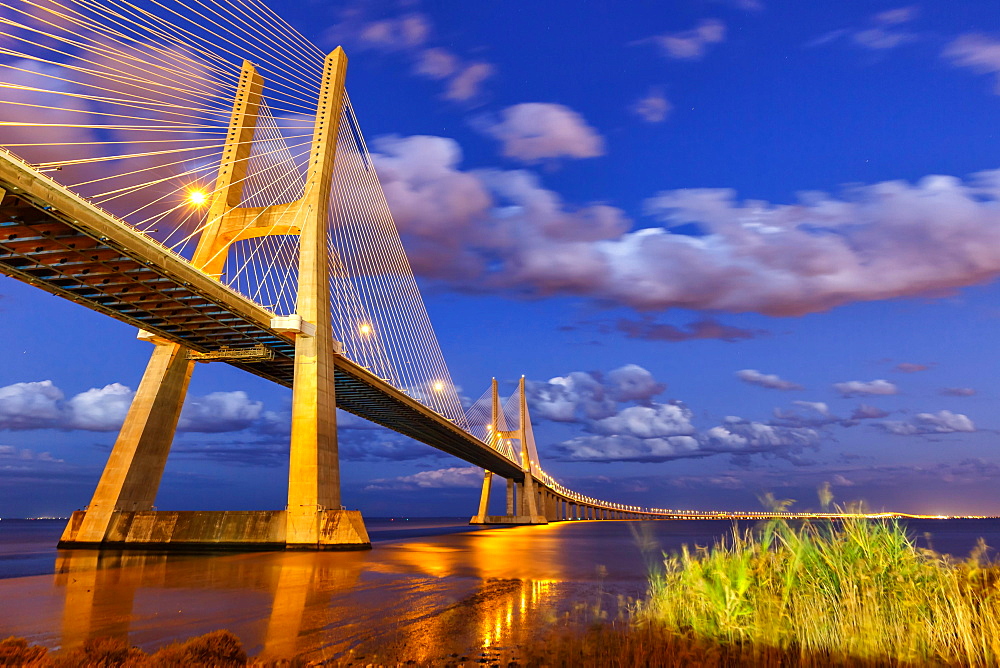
(54, 239)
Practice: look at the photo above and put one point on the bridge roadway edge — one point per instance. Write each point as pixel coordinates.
(56, 240)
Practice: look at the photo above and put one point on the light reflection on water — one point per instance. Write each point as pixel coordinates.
(420, 598)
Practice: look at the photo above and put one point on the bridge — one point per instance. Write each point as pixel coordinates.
(286, 265)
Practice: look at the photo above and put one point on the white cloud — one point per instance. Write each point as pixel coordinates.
(100, 409)
(654, 107)
(656, 421)
(942, 422)
(410, 35)
(768, 380)
(692, 44)
(41, 405)
(883, 31)
(535, 131)
(467, 83)
(880, 38)
(581, 396)
(466, 476)
(897, 16)
(853, 388)
(9, 452)
(629, 448)
(977, 52)
(501, 231)
(34, 405)
(571, 398)
(632, 383)
(735, 436)
(436, 63)
(219, 412)
(399, 33)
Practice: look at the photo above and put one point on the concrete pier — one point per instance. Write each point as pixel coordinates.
(200, 530)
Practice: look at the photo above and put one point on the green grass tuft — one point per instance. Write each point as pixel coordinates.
(852, 588)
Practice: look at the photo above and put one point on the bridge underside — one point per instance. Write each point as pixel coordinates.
(55, 240)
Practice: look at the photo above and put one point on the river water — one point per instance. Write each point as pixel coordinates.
(429, 588)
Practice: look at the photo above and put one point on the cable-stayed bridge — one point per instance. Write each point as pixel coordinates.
(196, 169)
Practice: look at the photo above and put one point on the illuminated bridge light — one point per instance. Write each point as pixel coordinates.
(197, 197)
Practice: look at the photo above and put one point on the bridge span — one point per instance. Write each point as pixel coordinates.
(60, 241)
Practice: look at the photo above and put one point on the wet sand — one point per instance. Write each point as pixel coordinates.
(422, 598)
(424, 592)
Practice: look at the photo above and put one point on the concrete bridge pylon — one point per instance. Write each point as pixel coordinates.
(526, 499)
(120, 514)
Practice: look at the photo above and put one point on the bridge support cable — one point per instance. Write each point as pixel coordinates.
(314, 517)
(397, 331)
(525, 498)
(131, 105)
(244, 226)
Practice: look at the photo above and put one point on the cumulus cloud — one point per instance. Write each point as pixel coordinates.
(644, 422)
(571, 398)
(747, 437)
(100, 409)
(811, 414)
(625, 423)
(501, 231)
(853, 388)
(735, 436)
(648, 329)
(977, 52)
(581, 396)
(30, 405)
(219, 412)
(768, 380)
(632, 383)
(42, 405)
(942, 422)
(958, 391)
(628, 448)
(817, 414)
(654, 107)
(691, 44)
(535, 131)
(453, 477)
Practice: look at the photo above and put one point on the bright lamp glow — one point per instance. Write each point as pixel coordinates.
(197, 197)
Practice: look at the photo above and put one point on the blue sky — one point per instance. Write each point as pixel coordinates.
(735, 246)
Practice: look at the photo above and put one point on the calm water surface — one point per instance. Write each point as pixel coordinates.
(428, 589)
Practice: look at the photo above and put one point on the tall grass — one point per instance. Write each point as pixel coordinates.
(852, 588)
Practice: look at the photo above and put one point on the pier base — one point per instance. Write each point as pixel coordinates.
(200, 530)
(508, 519)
